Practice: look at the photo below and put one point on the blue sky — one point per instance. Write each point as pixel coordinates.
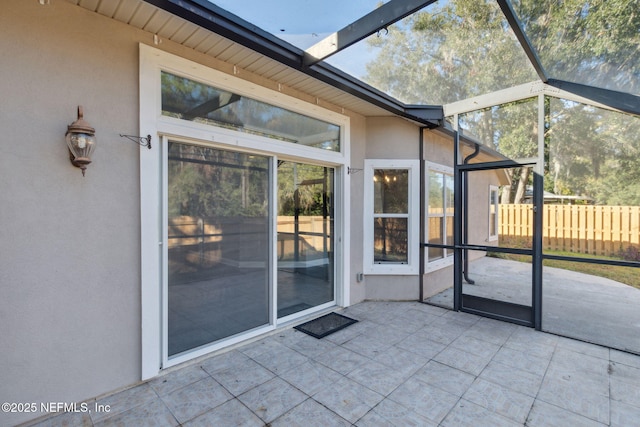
(298, 17)
(305, 22)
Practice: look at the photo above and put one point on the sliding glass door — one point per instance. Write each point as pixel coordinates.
(305, 237)
(218, 239)
(230, 264)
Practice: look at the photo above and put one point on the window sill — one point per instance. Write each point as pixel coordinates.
(439, 264)
(391, 270)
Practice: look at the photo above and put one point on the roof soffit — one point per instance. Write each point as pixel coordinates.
(210, 30)
(198, 23)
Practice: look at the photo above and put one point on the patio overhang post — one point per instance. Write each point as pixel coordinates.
(423, 214)
(457, 225)
(538, 198)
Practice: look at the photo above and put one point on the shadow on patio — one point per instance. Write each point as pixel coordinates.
(403, 363)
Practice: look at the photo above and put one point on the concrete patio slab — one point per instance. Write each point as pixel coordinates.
(574, 304)
(461, 375)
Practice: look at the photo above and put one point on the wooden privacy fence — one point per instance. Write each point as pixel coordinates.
(595, 230)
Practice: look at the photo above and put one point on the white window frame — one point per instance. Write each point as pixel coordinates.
(413, 215)
(447, 260)
(495, 204)
(153, 175)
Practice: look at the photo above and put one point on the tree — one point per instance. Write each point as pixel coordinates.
(304, 189)
(462, 49)
(594, 153)
(511, 129)
(206, 183)
(465, 48)
(595, 42)
(448, 53)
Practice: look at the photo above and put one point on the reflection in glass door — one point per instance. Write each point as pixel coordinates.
(218, 243)
(305, 246)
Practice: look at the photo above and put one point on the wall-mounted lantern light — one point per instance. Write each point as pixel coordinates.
(81, 140)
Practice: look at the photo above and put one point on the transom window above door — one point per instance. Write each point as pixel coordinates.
(188, 99)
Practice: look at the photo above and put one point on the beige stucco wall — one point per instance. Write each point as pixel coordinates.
(69, 251)
(438, 148)
(437, 281)
(392, 288)
(70, 246)
(479, 183)
(391, 138)
(359, 133)
(396, 138)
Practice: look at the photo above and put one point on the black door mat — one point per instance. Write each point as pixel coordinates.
(325, 325)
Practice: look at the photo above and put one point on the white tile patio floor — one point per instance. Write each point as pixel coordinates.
(402, 364)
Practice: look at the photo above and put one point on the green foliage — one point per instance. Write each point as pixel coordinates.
(593, 42)
(630, 253)
(205, 183)
(304, 189)
(448, 53)
(595, 153)
(626, 275)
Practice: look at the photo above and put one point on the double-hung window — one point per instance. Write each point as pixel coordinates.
(440, 211)
(392, 216)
